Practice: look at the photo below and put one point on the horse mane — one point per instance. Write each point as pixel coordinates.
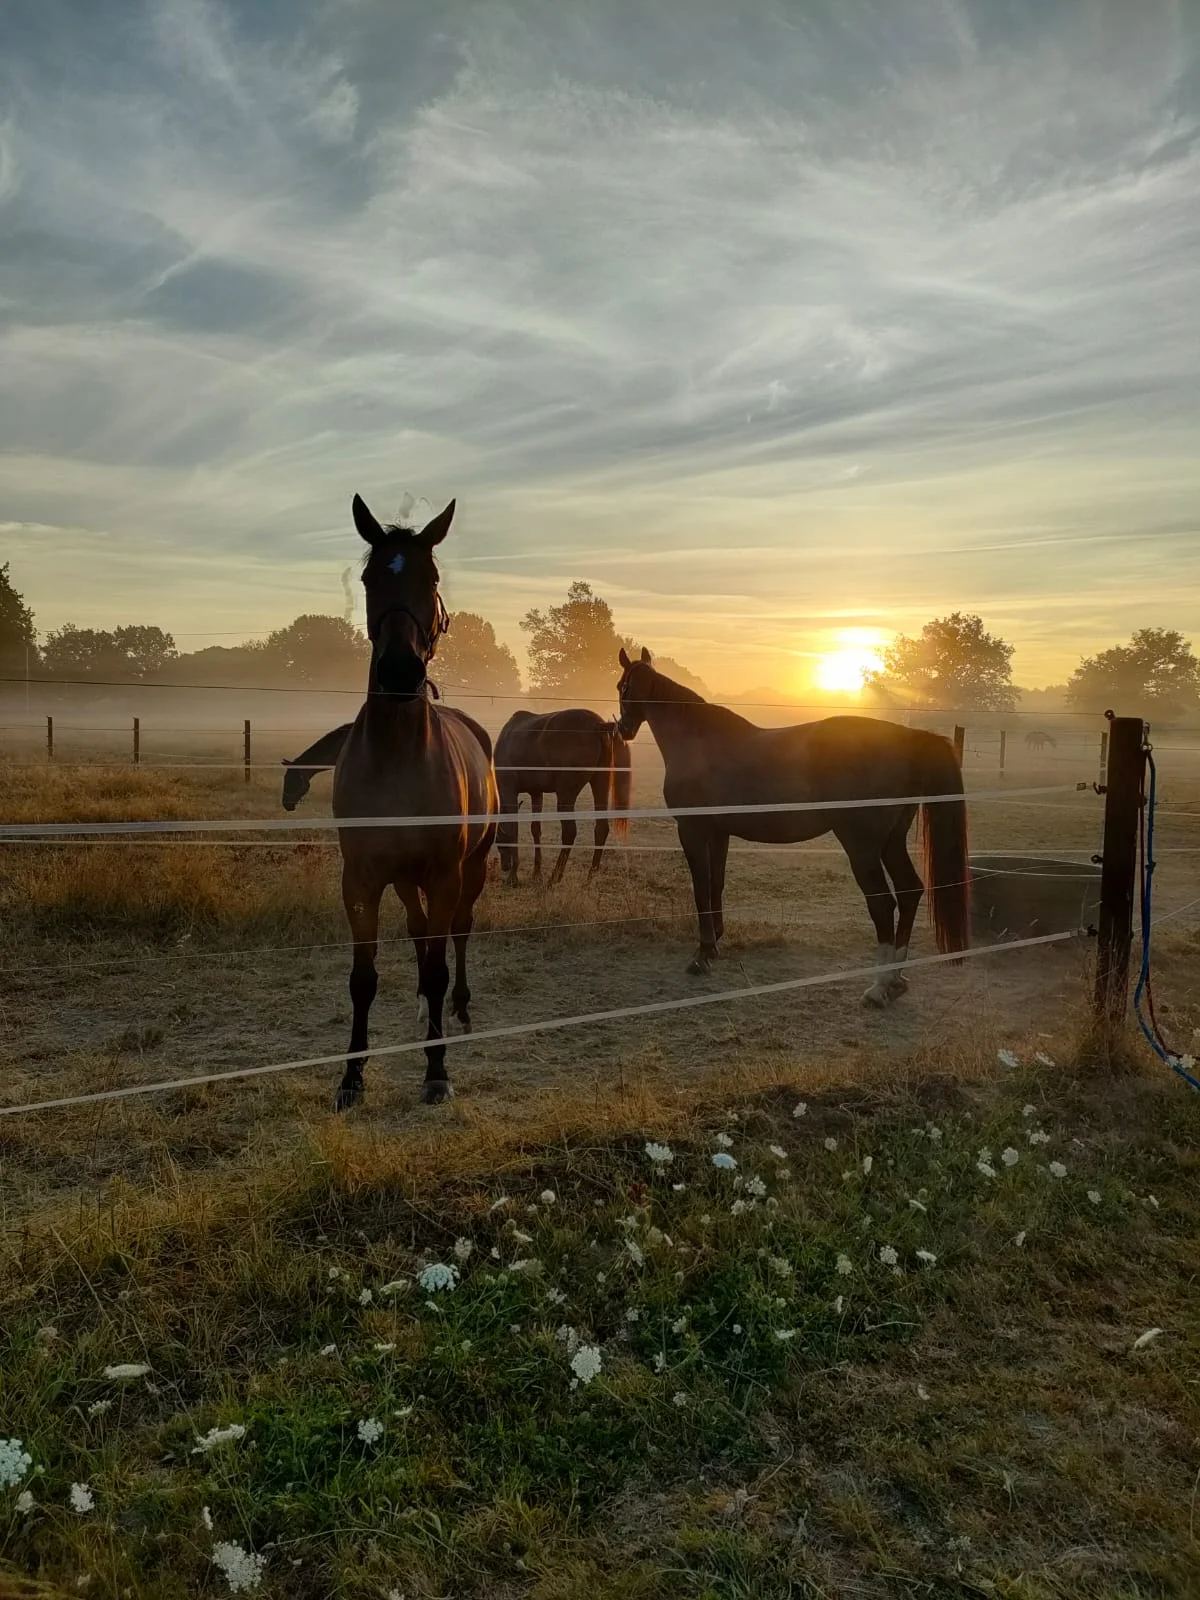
(680, 694)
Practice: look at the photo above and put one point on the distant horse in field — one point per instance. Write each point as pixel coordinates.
(561, 753)
(714, 758)
(319, 757)
(406, 756)
(1035, 739)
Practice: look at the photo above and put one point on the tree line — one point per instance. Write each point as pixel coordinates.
(953, 663)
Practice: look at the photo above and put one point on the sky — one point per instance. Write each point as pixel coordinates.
(786, 325)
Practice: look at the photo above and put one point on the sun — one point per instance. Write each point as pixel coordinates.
(845, 671)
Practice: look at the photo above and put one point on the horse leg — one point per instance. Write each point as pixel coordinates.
(695, 844)
(414, 913)
(718, 855)
(362, 908)
(535, 828)
(506, 833)
(443, 897)
(867, 866)
(474, 877)
(906, 882)
(566, 803)
(600, 801)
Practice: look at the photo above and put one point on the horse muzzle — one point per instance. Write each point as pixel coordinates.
(400, 673)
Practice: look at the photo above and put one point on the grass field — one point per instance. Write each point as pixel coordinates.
(977, 1423)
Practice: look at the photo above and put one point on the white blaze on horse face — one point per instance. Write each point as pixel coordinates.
(396, 564)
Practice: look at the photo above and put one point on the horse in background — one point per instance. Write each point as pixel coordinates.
(1035, 739)
(714, 758)
(319, 757)
(405, 756)
(560, 753)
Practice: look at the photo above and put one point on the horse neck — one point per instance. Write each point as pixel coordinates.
(675, 724)
(403, 723)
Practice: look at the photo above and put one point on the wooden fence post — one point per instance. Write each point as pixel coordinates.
(1126, 749)
(137, 741)
(960, 739)
(246, 747)
(1003, 747)
(49, 738)
(1103, 754)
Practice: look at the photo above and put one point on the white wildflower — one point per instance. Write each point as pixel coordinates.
(785, 1335)
(660, 1154)
(15, 1462)
(633, 1315)
(334, 1272)
(438, 1276)
(365, 1297)
(528, 1264)
(206, 1518)
(756, 1187)
(1020, 1239)
(1143, 1339)
(724, 1160)
(25, 1502)
(1043, 1060)
(636, 1253)
(1039, 1136)
(679, 1399)
(327, 1350)
(498, 1205)
(462, 1249)
(396, 1286)
(585, 1363)
(556, 1297)
(934, 1133)
(520, 1238)
(1007, 1059)
(679, 1325)
(1094, 1196)
(1010, 1157)
(779, 1265)
(660, 1362)
(927, 1256)
(548, 1197)
(1151, 1201)
(384, 1349)
(724, 1141)
(82, 1499)
(831, 1143)
(737, 1208)
(99, 1407)
(867, 1163)
(679, 1187)
(800, 1109)
(370, 1429)
(922, 1392)
(126, 1370)
(986, 1154)
(778, 1152)
(241, 1569)
(218, 1436)
(838, 1304)
(737, 1327)
(986, 1169)
(1029, 1111)
(706, 1220)
(1057, 1170)
(569, 1337)
(888, 1255)
(844, 1266)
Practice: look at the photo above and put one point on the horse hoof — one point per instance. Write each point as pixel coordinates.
(698, 966)
(436, 1092)
(897, 986)
(463, 1021)
(878, 996)
(348, 1094)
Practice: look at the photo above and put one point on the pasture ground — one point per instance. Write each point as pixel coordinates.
(977, 1424)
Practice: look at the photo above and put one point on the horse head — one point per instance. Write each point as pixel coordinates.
(405, 613)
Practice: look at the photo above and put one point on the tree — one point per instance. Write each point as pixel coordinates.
(130, 654)
(471, 657)
(573, 647)
(317, 649)
(1155, 673)
(16, 628)
(953, 663)
(675, 670)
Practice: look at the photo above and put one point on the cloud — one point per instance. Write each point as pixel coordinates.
(900, 297)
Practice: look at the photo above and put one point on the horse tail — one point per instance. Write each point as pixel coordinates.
(620, 781)
(944, 840)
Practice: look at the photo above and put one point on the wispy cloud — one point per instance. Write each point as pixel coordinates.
(889, 308)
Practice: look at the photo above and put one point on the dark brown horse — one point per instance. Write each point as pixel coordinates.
(715, 758)
(404, 756)
(319, 757)
(561, 754)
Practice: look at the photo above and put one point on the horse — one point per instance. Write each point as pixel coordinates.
(319, 757)
(714, 758)
(1035, 739)
(406, 756)
(560, 753)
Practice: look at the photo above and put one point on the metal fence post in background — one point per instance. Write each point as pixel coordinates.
(960, 739)
(137, 741)
(49, 738)
(1003, 747)
(1126, 751)
(246, 747)
(1103, 754)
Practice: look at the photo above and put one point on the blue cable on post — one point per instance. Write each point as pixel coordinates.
(1153, 1038)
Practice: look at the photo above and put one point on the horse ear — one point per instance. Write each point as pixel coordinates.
(364, 521)
(438, 527)
(623, 658)
(645, 656)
